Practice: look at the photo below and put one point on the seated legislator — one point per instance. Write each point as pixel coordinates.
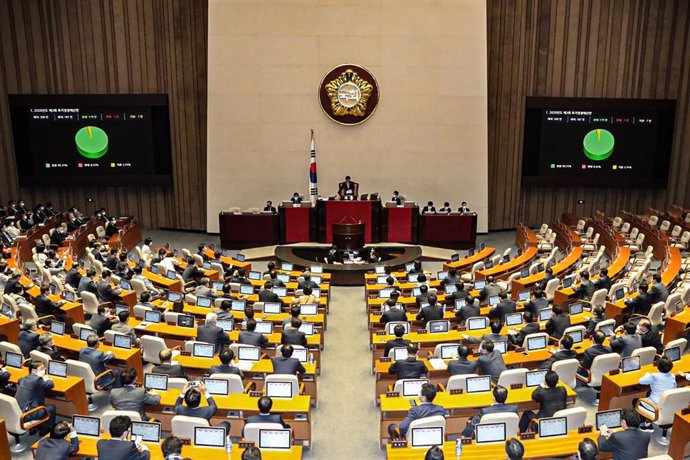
(167, 367)
(650, 335)
(296, 199)
(548, 276)
(292, 335)
(267, 295)
(446, 209)
(599, 316)
(631, 443)
(500, 396)
(459, 294)
(270, 208)
(211, 333)
(427, 408)
(597, 349)
(250, 336)
(410, 367)
(286, 364)
(28, 337)
(348, 190)
(132, 397)
(658, 383)
(551, 399)
(490, 360)
(463, 208)
(469, 310)
(625, 344)
(188, 403)
(265, 404)
(658, 292)
(398, 341)
(225, 367)
(396, 198)
(558, 323)
(120, 446)
(96, 359)
(31, 393)
(604, 282)
(394, 313)
(431, 312)
(491, 288)
(642, 303)
(565, 352)
(494, 336)
(429, 208)
(56, 447)
(538, 302)
(462, 365)
(586, 288)
(504, 307)
(172, 449)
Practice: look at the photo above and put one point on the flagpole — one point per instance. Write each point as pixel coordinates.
(313, 184)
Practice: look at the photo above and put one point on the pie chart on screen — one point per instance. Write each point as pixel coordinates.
(598, 144)
(92, 142)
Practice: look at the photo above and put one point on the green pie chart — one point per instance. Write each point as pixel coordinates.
(598, 144)
(92, 142)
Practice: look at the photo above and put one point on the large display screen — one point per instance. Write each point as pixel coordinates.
(597, 142)
(74, 140)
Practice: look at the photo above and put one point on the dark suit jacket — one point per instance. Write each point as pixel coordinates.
(421, 411)
(557, 324)
(603, 283)
(283, 365)
(267, 418)
(493, 409)
(172, 370)
(593, 321)
(408, 368)
(132, 398)
(641, 304)
(658, 293)
(191, 273)
(205, 412)
(462, 366)
(100, 324)
(213, 334)
(527, 329)
(426, 209)
(502, 309)
(268, 296)
(492, 364)
(87, 284)
(585, 290)
(468, 311)
(558, 356)
(110, 262)
(113, 449)
(106, 292)
(252, 338)
(626, 445)
(535, 305)
(542, 284)
(56, 449)
(28, 341)
(394, 314)
(73, 277)
(94, 358)
(550, 400)
(652, 339)
(430, 313)
(225, 369)
(591, 353)
(31, 392)
(293, 337)
(395, 343)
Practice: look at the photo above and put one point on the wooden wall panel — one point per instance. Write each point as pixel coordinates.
(582, 48)
(113, 47)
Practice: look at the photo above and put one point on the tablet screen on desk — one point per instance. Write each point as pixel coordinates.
(399, 353)
(391, 326)
(218, 285)
(441, 275)
(217, 386)
(489, 265)
(385, 293)
(409, 266)
(279, 389)
(156, 382)
(204, 302)
(672, 353)
(122, 341)
(536, 343)
(308, 309)
(57, 368)
(84, 333)
(490, 432)
(186, 321)
(280, 291)
(307, 328)
(412, 277)
(274, 439)
(238, 305)
(226, 324)
(316, 292)
(254, 275)
(125, 285)
(248, 353)
(272, 308)
(153, 269)
(57, 328)
(535, 378)
(630, 364)
(316, 269)
(416, 291)
(412, 387)
(69, 296)
(171, 275)
(438, 327)
(460, 303)
(174, 296)
(513, 319)
(576, 336)
(300, 353)
(149, 431)
(86, 426)
(284, 277)
(455, 257)
(285, 266)
(619, 294)
(209, 436)
(610, 418)
(524, 273)
(247, 289)
(474, 324)
(203, 350)
(493, 300)
(450, 288)
(575, 308)
(545, 314)
(13, 359)
(449, 351)
(478, 384)
(501, 346)
(427, 437)
(382, 279)
(470, 252)
(523, 296)
(568, 281)
(553, 426)
(264, 327)
(607, 329)
(380, 269)
(479, 285)
(152, 317)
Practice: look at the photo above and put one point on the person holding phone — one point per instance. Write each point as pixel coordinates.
(119, 446)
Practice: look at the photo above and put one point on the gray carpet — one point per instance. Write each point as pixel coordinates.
(346, 422)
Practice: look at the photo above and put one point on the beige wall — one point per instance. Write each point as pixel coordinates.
(427, 139)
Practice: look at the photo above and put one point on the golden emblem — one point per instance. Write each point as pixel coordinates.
(349, 94)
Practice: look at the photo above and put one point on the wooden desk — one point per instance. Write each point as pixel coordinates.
(680, 437)
(4, 443)
(618, 391)
(677, 326)
(525, 238)
(466, 262)
(10, 329)
(534, 448)
(131, 235)
(87, 448)
(400, 223)
(68, 395)
(247, 230)
(229, 260)
(448, 230)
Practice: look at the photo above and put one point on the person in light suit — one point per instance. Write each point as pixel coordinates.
(56, 447)
(119, 446)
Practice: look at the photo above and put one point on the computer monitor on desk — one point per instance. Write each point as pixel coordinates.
(553, 426)
(412, 387)
(486, 433)
(427, 437)
(278, 389)
(86, 426)
(536, 343)
(156, 382)
(149, 431)
(274, 439)
(478, 384)
(209, 436)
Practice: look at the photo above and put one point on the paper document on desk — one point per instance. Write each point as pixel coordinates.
(438, 363)
(244, 365)
(143, 325)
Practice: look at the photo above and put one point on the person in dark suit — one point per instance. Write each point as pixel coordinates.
(73, 277)
(409, 368)
(551, 399)
(565, 352)
(56, 447)
(658, 292)
(394, 313)
(269, 208)
(119, 447)
(494, 336)
(537, 303)
(588, 450)
(265, 405)
(642, 303)
(491, 288)
(558, 323)
(102, 320)
(631, 443)
(191, 397)
(87, 284)
(586, 288)
(599, 316)
(191, 271)
(210, 332)
(46, 345)
(348, 190)
(598, 348)
(286, 364)
(423, 296)
(490, 361)
(331, 256)
(46, 307)
(625, 344)
(396, 198)
(226, 356)
(267, 294)
(650, 335)
(172, 449)
(131, 397)
(307, 282)
(469, 310)
(463, 208)
(251, 337)
(59, 236)
(111, 228)
(429, 208)
(292, 335)
(499, 406)
(548, 276)
(427, 408)
(462, 365)
(604, 282)
(97, 359)
(459, 294)
(504, 307)
(446, 209)
(431, 312)
(105, 290)
(31, 393)
(111, 261)
(166, 366)
(28, 337)
(398, 341)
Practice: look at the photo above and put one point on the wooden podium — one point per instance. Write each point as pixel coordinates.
(348, 236)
